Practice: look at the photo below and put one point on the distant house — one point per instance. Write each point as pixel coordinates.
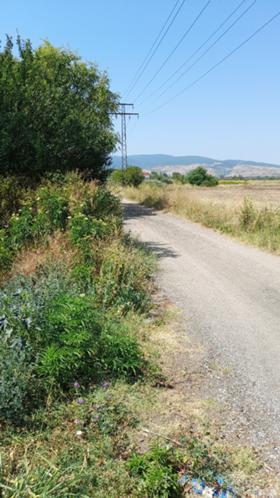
(146, 174)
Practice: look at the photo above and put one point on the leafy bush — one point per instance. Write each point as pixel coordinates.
(16, 378)
(120, 354)
(52, 211)
(12, 194)
(20, 230)
(69, 342)
(117, 177)
(102, 204)
(83, 227)
(55, 335)
(131, 176)
(55, 112)
(199, 176)
(157, 471)
(178, 178)
(124, 277)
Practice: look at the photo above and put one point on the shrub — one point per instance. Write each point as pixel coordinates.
(157, 471)
(16, 378)
(120, 354)
(12, 194)
(5, 253)
(199, 176)
(55, 112)
(124, 277)
(247, 214)
(102, 204)
(69, 341)
(131, 176)
(52, 211)
(84, 227)
(117, 177)
(20, 230)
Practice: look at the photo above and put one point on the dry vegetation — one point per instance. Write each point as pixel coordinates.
(249, 211)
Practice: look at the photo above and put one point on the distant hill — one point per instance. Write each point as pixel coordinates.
(229, 167)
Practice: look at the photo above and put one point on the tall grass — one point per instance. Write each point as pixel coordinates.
(76, 370)
(257, 225)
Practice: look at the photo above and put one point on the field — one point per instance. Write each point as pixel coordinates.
(229, 194)
(248, 210)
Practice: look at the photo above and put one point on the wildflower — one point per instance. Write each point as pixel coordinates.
(77, 385)
(77, 421)
(82, 295)
(105, 385)
(79, 433)
(80, 401)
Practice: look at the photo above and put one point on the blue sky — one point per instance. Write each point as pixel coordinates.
(232, 113)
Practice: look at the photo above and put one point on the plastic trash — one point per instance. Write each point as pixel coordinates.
(199, 487)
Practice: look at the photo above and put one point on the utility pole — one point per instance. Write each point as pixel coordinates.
(124, 113)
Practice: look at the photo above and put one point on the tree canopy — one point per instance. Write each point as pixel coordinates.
(55, 111)
(199, 176)
(132, 176)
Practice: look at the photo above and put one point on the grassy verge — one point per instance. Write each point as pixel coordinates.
(256, 225)
(82, 367)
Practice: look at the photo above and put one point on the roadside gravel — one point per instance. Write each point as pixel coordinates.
(229, 295)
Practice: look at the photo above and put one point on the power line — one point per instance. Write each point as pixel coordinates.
(175, 48)
(197, 50)
(159, 39)
(207, 50)
(152, 47)
(221, 61)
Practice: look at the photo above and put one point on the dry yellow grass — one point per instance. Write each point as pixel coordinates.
(57, 248)
(249, 211)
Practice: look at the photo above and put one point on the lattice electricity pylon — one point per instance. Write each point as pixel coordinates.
(123, 113)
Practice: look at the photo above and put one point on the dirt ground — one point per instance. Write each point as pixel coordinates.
(185, 404)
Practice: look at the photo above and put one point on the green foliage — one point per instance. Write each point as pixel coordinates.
(131, 176)
(52, 211)
(178, 178)
(12, 194)
(157, 471)
(84, 228)
(16, 378)
(54, 334)
(69, 343)
(102, 204)
(124, 277)
(199, 176)
(55, 112)
(53, 207)
(117, 177)
(160, 177)
(120, 354)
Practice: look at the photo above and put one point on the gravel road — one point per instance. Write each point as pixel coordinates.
(229, 294)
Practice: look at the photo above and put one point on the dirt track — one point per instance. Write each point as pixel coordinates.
(230, 297)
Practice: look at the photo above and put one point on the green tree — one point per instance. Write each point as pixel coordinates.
(117, 176)
(55, 112)
(131, 176)
(199, 176)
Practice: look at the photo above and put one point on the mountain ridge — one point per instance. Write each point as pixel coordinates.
(227, 167)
